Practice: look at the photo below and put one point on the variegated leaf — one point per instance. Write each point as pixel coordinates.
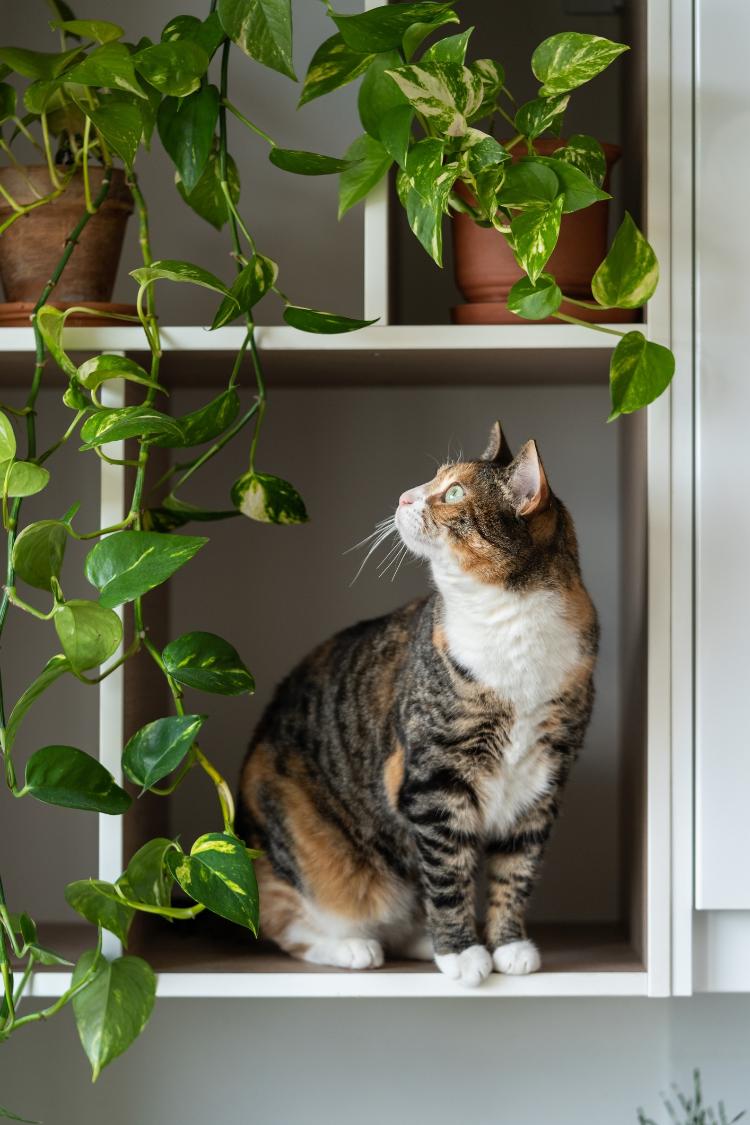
(565, 61)
(640, 370)
(629, 274)
(219, 874)
(446, 94)
(534, 233)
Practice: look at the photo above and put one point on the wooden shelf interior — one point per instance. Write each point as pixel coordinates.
(351, 452)
(209, 945)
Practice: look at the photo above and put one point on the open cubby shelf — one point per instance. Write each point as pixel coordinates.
(353, 418)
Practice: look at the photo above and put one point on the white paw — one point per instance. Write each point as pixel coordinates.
(470, 967)
(350, 953)
(517, 958)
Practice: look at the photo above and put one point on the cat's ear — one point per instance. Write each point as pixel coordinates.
(528, 482)
(497, 449)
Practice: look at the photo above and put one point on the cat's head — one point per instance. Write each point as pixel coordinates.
(494, 519)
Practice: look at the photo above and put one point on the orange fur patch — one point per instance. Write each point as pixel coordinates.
(393, 775)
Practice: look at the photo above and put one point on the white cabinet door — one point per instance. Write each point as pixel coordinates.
(723, 457)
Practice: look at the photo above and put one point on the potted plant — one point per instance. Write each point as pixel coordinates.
(512, 202)
(41, 203)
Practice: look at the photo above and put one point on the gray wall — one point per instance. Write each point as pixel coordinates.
(429, 1062)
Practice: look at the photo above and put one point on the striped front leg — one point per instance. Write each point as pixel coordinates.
(442, 813)
(512, 869)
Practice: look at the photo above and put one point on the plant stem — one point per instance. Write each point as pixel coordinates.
(587, 324)
(217, 446)
(246, 121)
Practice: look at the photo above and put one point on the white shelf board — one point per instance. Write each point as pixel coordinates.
(378, 984)
(427, 337)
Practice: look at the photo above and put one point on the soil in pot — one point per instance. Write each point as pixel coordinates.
(486, 269)
(30, 248)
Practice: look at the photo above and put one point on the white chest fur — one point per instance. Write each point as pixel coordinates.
(523, 647)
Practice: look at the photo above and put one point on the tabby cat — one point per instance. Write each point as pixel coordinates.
(408, 752)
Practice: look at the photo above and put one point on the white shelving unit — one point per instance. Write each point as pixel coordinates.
(607, 966)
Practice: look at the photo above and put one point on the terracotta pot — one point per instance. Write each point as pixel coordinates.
(31, 247)
(486, 269)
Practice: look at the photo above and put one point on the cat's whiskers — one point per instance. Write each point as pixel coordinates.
(385, 563)
(382, 531)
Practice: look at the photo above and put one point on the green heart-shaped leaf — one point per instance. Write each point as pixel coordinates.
(262, 29)
(52, 671)
(219, 874)
(102, 31)
(206, 423)
(578, 191)
(395, 132)
(446, 94)
(333, 65)
(534, 235)
(312, 320)
(541, 114)
(101, 368)
(251, 284)
(120, 120)
(207, 33)
(416, 34)
(148, 878)
(112, 1010)
(587, 155)
(37, 64)
(369, 163)
(129, 422)
(208, 663)
(159, 747)
(383, 28)
(565, 61)
(174, 68)
(22, 478)
(186, 129)
(89, 633)
(88, 898)
(535, 301)
(7, 439)
(128, 564)
(171, 270)
(207, 197)
(629, 274)
(639, 372)
(62, 775)
(268, 499)
(38, 552)
(528, 183)
(50, 322)
(306, 163)
(110, 66)
(378, 93)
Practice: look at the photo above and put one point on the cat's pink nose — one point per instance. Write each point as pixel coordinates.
(406, 498)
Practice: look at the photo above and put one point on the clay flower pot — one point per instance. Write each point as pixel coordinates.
(31, 247)
(486, 269)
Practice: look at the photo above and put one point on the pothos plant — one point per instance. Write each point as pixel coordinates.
(99, 100)
(420, 108)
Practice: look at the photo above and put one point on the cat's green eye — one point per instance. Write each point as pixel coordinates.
(454, 494)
